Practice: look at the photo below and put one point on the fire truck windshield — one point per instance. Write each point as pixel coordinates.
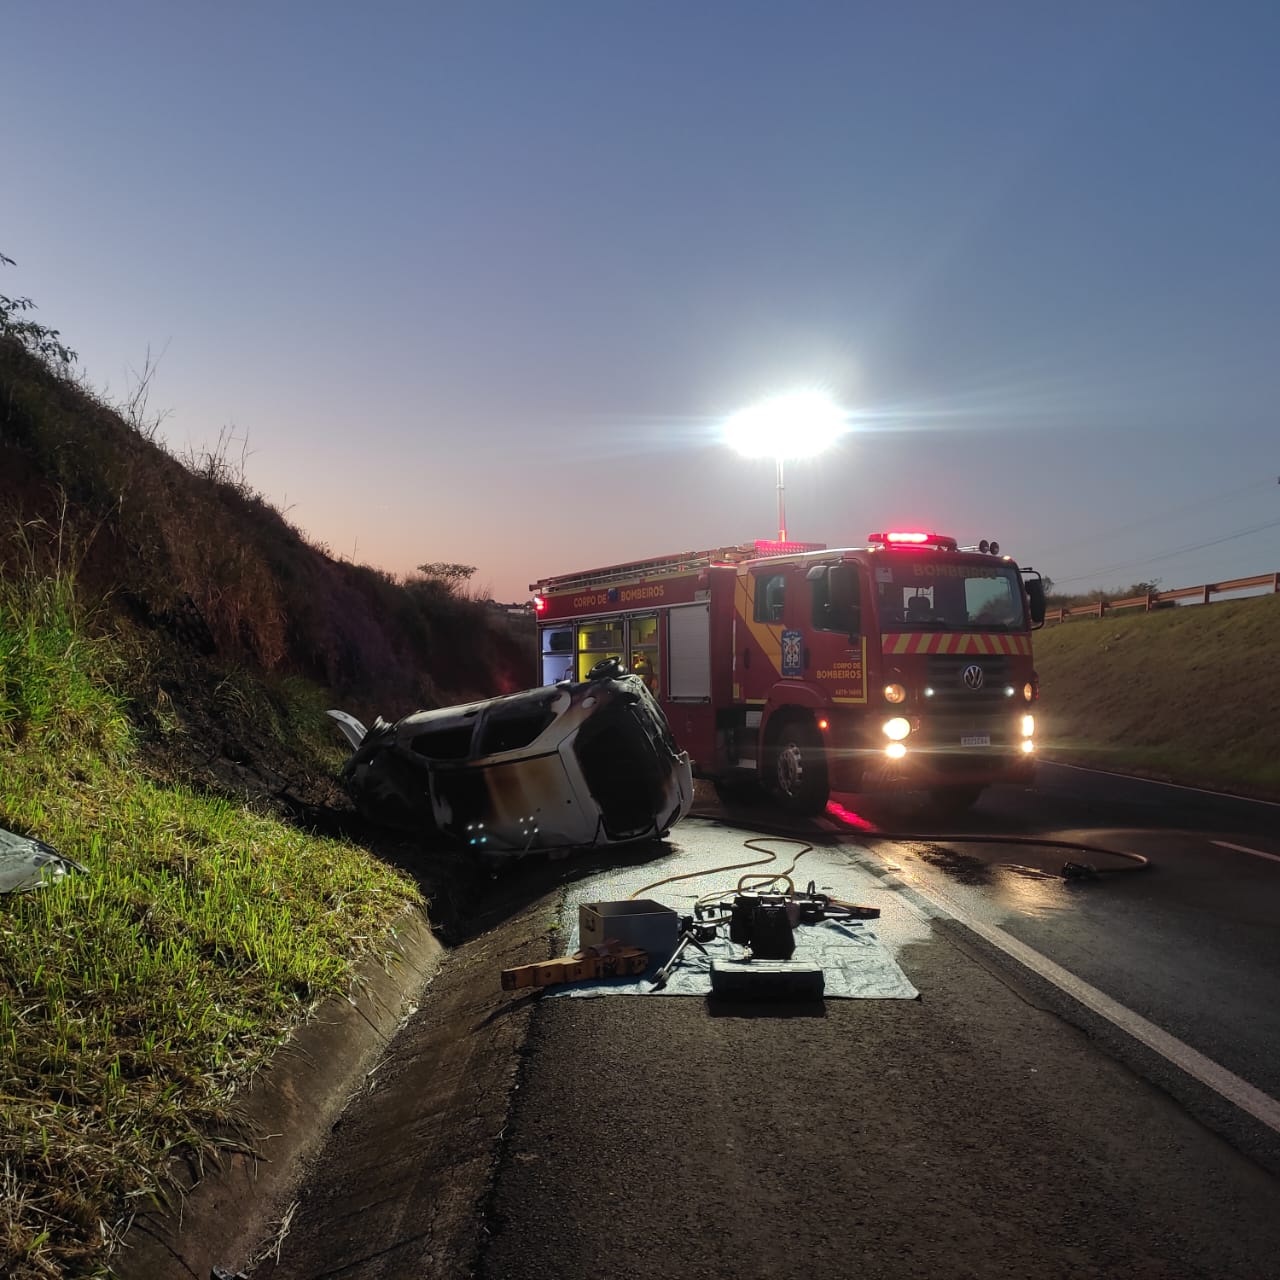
(919, 592)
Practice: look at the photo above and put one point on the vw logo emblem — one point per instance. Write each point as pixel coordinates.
(973, 676)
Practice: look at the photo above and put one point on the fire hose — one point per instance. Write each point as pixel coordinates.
(766, 905)
(1070, 870)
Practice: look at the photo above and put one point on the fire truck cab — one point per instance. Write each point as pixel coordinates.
(802, 669)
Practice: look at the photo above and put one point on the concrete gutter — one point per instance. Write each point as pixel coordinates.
(222, 1212)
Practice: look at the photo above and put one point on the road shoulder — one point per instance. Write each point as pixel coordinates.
(970, 1134)
(398, 1188)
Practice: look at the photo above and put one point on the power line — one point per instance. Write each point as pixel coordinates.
(1164, 515)
(1167, 555)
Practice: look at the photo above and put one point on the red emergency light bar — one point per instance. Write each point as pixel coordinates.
(912, 538)
(539, 604)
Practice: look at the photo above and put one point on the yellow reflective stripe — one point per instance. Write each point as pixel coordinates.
(898, 643)
(764, 636)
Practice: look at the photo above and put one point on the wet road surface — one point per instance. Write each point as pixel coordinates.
(1193, 944)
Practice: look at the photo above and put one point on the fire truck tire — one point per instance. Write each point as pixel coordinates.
(950, 802)
(799, 767)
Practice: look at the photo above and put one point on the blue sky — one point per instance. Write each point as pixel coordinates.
(479, 282)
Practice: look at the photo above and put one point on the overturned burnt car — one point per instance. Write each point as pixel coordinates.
(560, 767)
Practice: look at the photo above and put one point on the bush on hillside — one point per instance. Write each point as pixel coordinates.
(189, 551)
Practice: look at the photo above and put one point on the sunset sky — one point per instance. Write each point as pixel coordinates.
(482, 281)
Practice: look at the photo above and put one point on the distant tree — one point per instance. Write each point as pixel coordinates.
(39, 339)
(1065, 600)
(1125, 593)
(453, 575)
(1055, 599)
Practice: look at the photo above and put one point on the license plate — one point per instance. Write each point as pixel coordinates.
(976, 740)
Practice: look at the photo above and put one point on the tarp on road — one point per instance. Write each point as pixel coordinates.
(856, 963)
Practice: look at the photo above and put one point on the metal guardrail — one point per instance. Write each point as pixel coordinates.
(1158, 599)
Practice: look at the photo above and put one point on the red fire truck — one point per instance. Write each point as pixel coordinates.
(902, 664)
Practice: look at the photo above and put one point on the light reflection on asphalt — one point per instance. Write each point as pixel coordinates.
(984, 881)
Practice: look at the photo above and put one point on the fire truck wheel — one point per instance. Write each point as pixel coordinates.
(800, 768)
(950, 802)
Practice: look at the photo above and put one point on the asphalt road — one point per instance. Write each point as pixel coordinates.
(1192, 944)
(1009, 1123)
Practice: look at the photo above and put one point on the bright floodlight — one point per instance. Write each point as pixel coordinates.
(791, 426)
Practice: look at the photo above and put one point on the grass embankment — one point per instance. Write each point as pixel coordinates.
(1187, 695)
(136, 999)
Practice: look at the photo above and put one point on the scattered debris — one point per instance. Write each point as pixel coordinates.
(28, 863)
(560, 767)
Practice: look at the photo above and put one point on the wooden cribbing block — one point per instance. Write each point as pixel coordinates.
(608, 960)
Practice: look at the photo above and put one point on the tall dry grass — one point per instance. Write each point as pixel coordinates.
(189, 548)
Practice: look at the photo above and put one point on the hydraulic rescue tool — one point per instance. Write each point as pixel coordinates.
(764, 923)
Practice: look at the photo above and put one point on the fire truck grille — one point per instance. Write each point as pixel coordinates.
(976, 739)
(949, 731)
(952, 692)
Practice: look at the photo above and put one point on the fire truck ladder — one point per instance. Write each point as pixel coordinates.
(685, 562)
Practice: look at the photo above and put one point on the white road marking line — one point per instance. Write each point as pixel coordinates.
(1226, 1084)
(1156, 782)
(1244, 848)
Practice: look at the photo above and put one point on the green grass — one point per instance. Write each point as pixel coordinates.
(1188, 695)
(137, 998)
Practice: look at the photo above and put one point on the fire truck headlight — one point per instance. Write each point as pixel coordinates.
(1028, 691)
(1028, 746)
(1028, 726)
(897, 728)
(895, 751)
(895, 693)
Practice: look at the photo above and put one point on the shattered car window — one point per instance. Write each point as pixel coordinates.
(448, 742)
(516, 723)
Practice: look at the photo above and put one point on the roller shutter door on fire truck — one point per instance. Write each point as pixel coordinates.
(689, 652)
